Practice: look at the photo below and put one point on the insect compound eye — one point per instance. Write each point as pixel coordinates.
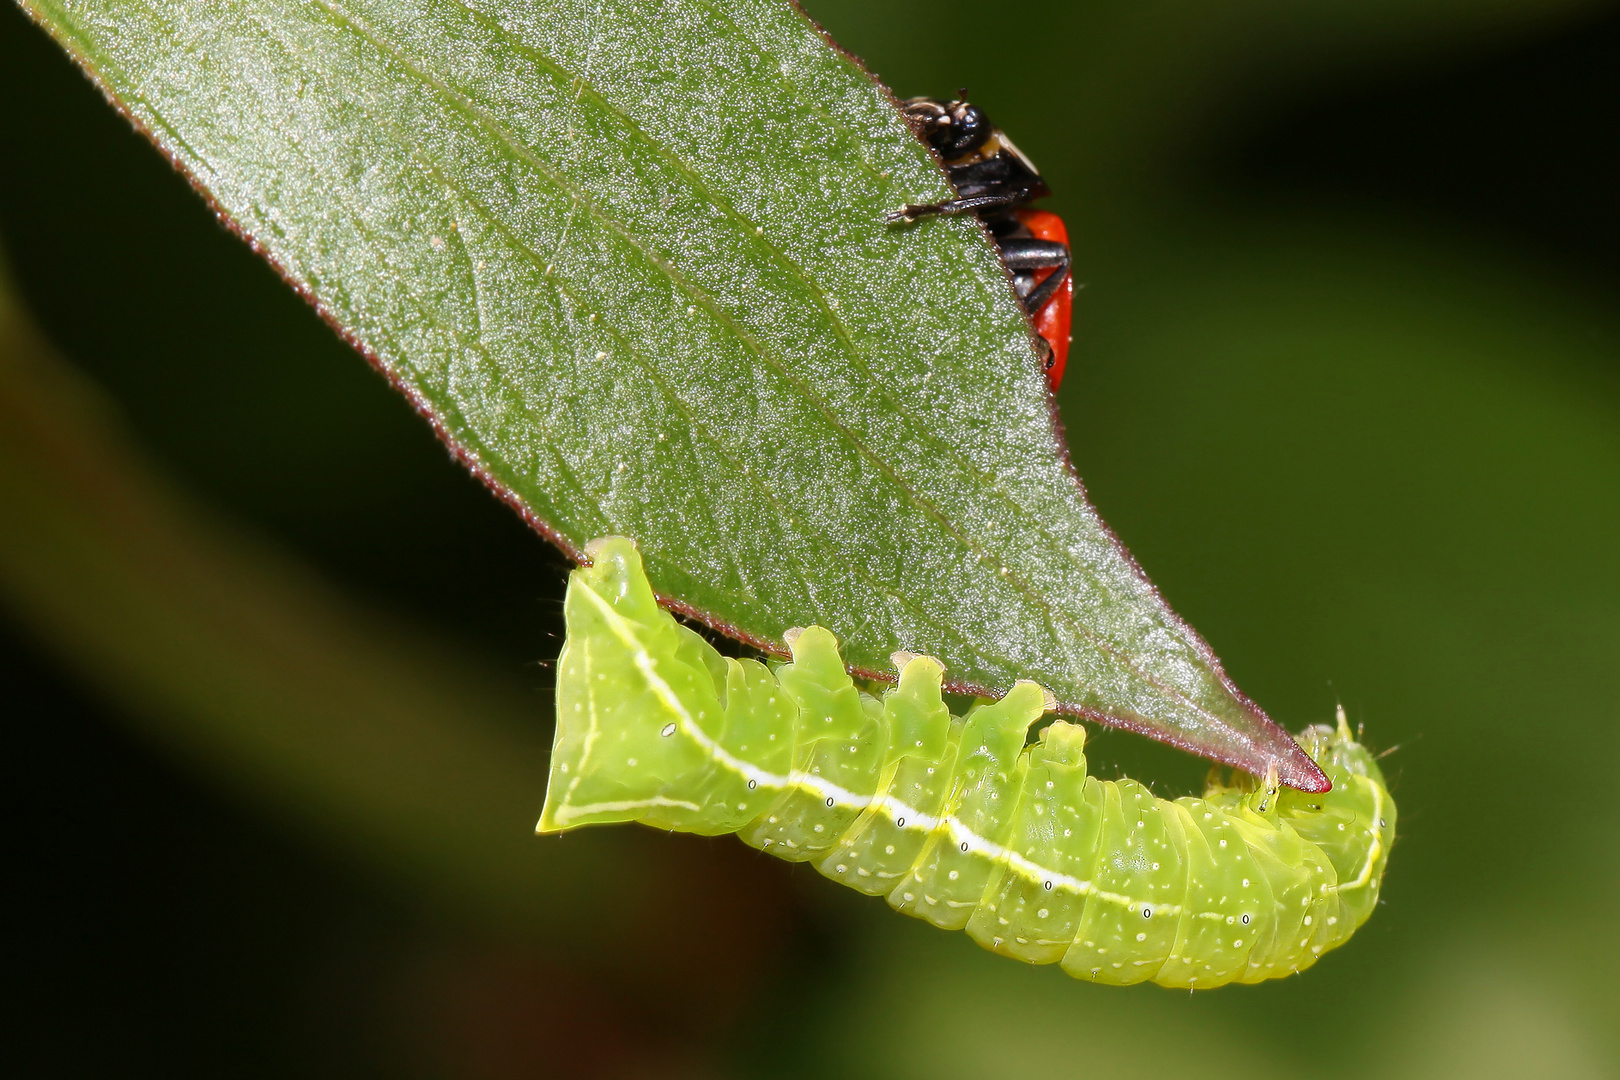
(969, 129)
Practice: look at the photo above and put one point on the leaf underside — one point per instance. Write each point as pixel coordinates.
(629, 259)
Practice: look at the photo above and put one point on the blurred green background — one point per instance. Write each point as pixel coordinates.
(1346, 380)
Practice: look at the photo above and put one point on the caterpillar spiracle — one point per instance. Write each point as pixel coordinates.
(954, 819)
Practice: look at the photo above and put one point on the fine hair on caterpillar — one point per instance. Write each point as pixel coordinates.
(955, 819)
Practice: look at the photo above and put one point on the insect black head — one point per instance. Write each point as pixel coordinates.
(954, 129)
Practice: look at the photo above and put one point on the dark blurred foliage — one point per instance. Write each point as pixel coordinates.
(1522, 145)
(159, 927)
(138, 912)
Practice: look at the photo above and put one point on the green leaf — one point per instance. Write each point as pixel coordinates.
(630, 262)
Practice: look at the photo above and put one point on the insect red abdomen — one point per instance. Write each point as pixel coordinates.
(1052, 320)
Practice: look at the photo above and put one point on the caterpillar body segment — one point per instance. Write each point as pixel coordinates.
(957, 820)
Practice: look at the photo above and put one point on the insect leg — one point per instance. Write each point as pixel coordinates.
(952, 207)
(1024, 255)
(1027, 253)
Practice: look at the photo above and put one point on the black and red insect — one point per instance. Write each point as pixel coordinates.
(996, 182)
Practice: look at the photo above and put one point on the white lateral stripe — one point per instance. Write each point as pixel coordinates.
(688, 724)
(569, 813)
(893, 808)
(1365, 877)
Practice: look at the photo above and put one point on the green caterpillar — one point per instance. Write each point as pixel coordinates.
(955, 820)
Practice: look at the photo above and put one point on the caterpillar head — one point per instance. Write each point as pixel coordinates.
(1336, 750)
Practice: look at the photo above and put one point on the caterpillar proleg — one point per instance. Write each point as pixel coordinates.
(956, 820)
